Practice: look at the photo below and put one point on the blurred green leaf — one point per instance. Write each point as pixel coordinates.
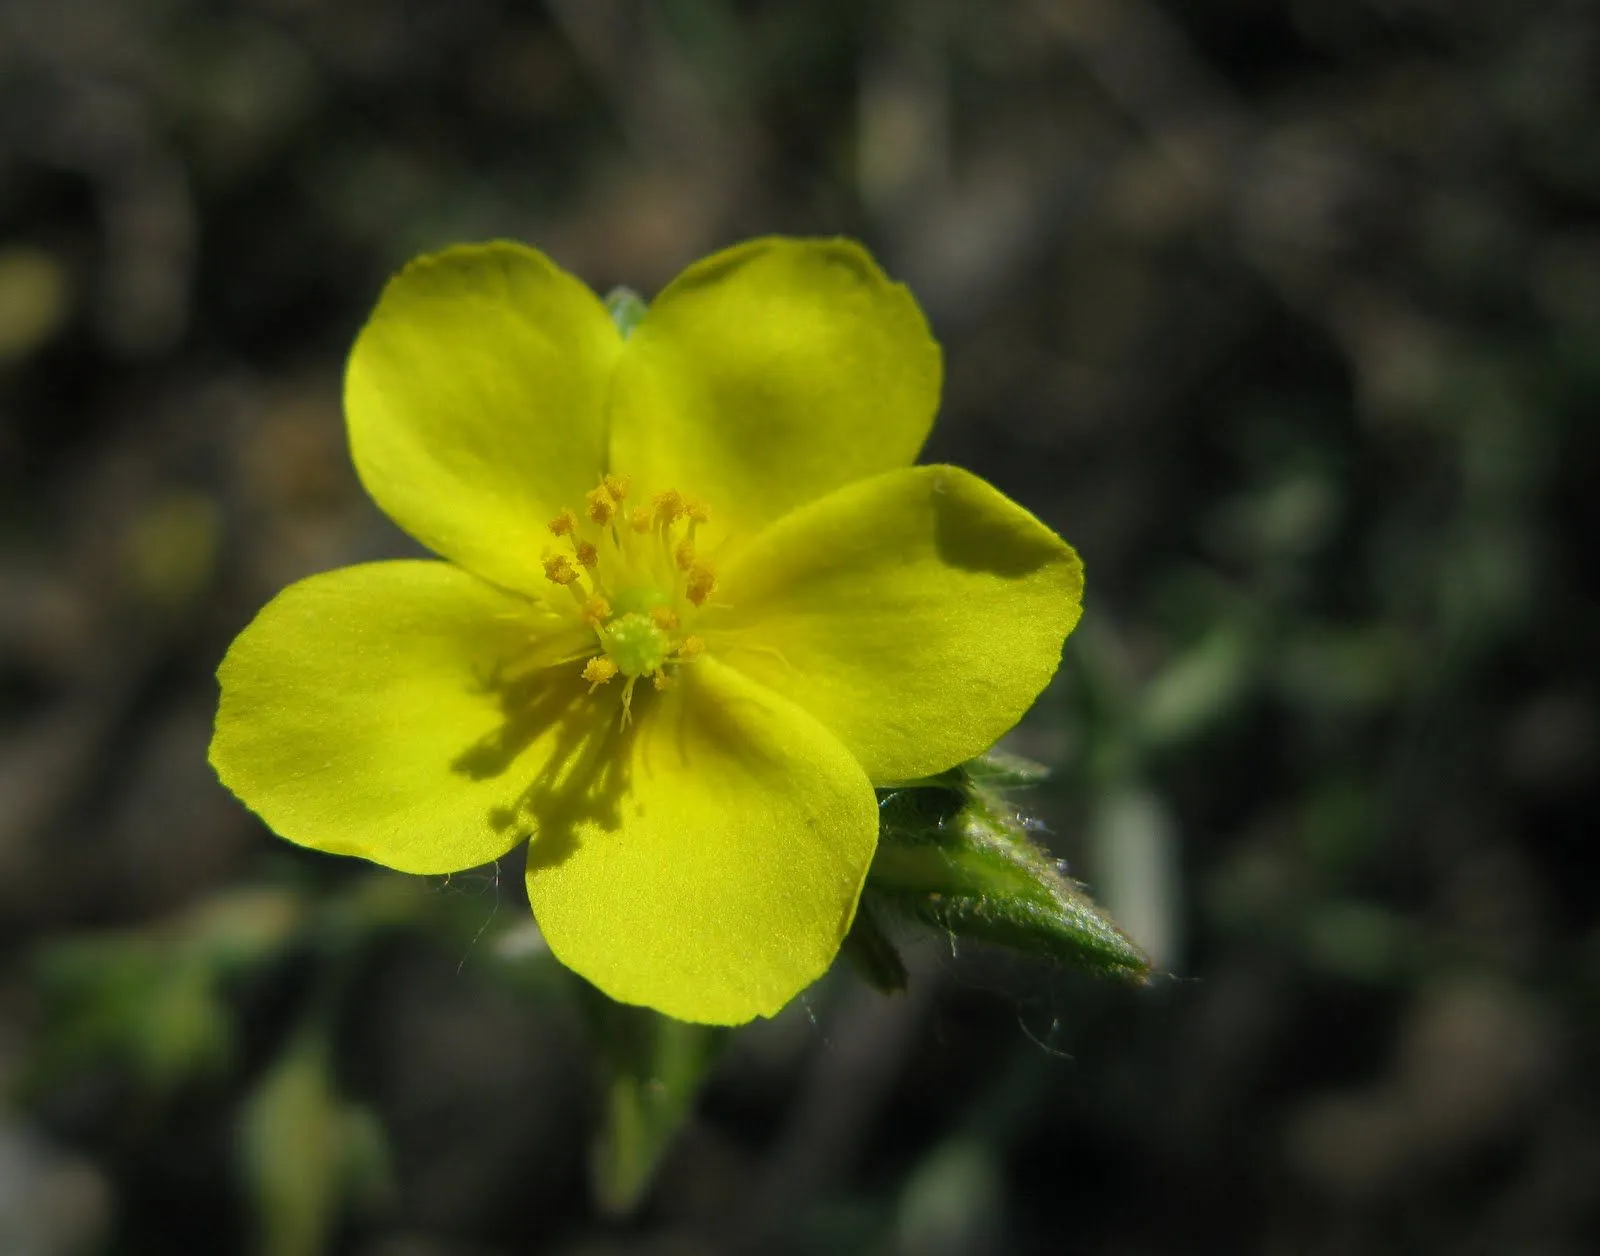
(305, 1151)
(651, 1068)
(1358, 941)
(1198, 687)
(171, 546)
(35, 300)
(244, 927)
(289, 1145)
(954, 1202)
(152, 998)
(1134, 852)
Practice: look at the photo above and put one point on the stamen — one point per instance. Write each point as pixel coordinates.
(558, 569)
(636, 611)
(698, 514)
(599, 506)
(702, 580)
(598, 670)
(669, 506)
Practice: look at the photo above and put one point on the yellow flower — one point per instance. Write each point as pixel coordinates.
(697, 603)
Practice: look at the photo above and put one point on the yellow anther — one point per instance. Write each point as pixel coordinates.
(661, 680)
(558, 569)
(669, 505)
(599, 506)
(635, 606)
(598, 670)
(702, 580)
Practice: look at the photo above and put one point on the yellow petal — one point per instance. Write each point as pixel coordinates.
(917, 615)
(397, 711)
(723, 882)
(772, 373)
(475, 399)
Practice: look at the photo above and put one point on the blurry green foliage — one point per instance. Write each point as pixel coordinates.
(306, 1152)
(154, 998)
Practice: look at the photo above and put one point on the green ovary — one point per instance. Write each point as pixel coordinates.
(635, 644)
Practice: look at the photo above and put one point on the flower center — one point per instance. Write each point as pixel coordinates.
(636, 644)
(635, 579)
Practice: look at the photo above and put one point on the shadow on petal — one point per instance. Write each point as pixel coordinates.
(979, 540)
(581, 760)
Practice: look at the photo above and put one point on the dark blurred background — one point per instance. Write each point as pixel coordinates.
(1286, 314)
